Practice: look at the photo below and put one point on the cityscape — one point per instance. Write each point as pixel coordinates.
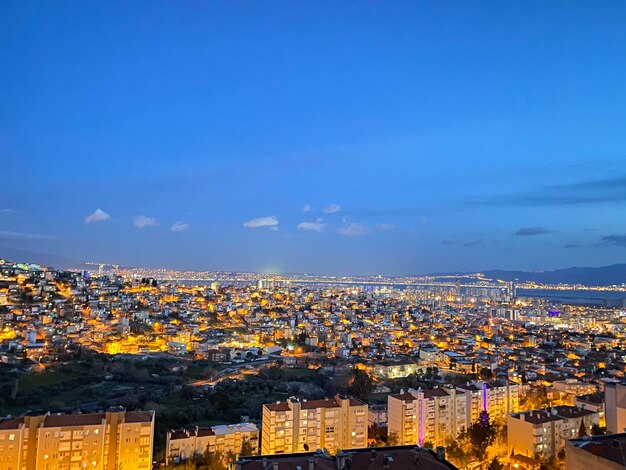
(329, 235)
(293, 368)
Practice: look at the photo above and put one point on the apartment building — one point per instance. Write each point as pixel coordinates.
(183, 444)
(542, 434)
(596, 453)
(615, 407)
(420, 416)
(498, 398)
(99, 441)
(302, 426)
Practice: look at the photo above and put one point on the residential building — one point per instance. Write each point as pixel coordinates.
(420, 416)
(300, 426)
(99, 441)
(183, 444)
(395, 369)
(615, 407)
(596, 453)
(498, 398)
(542, 434)
(375, 458)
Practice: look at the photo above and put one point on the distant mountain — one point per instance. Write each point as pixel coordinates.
(52, 261)
(601, 276)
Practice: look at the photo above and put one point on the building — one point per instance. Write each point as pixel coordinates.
(100, 441)
(183, 444)
(542, 434)
(499, 399)
(435, 415)
(395, 369)
(377, 414)
(420, 416)
(375, 458)
(300, 426)
(615, 407)
(596, 453)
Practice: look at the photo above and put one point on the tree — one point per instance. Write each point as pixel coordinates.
(495, 464)
(362, 384)
(481, 435)
(597, 430)
(582, 430)
(246, 448)
(392, 439)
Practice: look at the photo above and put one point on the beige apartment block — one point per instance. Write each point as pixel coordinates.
(434, 416)
(183, 444)
(542, 434)
(301, 426)
(420, 416)
(100, 441)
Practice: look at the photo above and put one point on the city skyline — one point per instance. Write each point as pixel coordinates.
(336, 139)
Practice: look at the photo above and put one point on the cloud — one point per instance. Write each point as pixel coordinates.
(97, 216)
(531, 231)
(449, 242)
(572, 245)
(331, 209)
(306, 208)
(179, 227)
(317, 226)
(7, 211)
(385, 227)
(615, 240)
(595, 191)
(472, 243)
(8, 235)
(354, 230)
(269, 221)
(141, 221)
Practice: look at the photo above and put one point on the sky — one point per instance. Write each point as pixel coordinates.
(333, 137)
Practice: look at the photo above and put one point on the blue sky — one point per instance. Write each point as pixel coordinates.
(419, 136)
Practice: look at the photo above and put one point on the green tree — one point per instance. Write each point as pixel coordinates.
(495, 464)
(392, 439)
(582, 430)
(481, 435)
(246, 448)
(362, 384)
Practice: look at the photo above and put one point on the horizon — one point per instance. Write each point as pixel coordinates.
(331, 138)
(280, 273)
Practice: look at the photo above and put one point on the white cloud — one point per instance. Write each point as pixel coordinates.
(97, 216)
(269, 221)
(317, 226)
(354, 230)
(141, 221)
(7, 211)
(385, 227)
(179, 227)
(8, 235)
(306, 208)
(331, 209)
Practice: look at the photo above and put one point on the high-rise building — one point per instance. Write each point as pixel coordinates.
(421, 416)
(300, 426)
(99, 441)
(498, 398)
(186, 443)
